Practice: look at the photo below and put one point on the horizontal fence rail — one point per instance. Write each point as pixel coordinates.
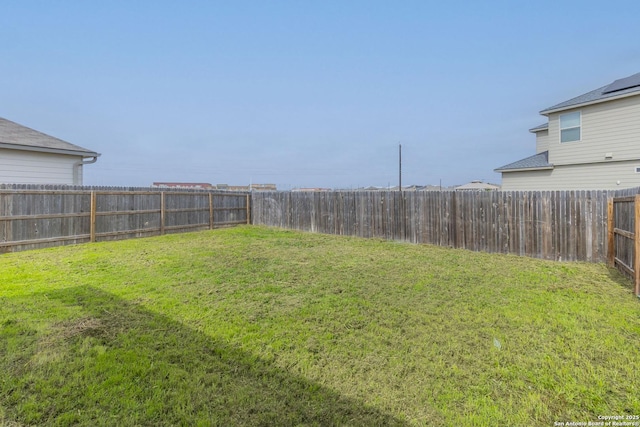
(556, 225)
(34, 217)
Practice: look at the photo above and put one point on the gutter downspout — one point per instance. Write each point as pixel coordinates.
(77, 167)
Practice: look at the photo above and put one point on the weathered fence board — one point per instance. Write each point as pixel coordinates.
(42, 216)
(624, 236)
(557, 225)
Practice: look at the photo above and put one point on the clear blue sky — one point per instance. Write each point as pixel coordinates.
(304, 93)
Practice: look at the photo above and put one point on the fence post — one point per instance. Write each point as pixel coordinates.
(248, 209)
(92, 220)
(162, 213)
(451, 234)
(210, 211)
(611, 250)
(636, 241)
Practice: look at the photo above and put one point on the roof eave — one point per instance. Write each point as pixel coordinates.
(524, 169)
(534, 130)
(583, 104)
(49, 150)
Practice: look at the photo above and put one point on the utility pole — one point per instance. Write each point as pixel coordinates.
(400, 167)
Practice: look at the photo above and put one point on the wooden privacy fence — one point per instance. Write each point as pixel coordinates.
(557, 225)
(34, 218)
(624, 236)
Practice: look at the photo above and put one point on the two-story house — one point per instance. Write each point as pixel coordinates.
(31, 157)
(589, 142)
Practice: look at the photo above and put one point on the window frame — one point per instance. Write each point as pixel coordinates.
(579, 127)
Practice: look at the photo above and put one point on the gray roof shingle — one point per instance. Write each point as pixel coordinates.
(538, 128)
(16, 135)
(600, 94)
(537, 161)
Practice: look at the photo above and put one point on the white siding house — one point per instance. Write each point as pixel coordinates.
(589, 142)
(31, 157)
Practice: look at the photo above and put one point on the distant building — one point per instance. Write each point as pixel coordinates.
(31, 157)
(406, 188)
(263, 187)
(477, 186)
(208, 186)
(252, 187)
(311, 189)
(191, 185)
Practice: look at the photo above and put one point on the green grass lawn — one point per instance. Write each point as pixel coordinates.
(256, 326)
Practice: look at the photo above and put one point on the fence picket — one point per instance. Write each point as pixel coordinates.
(33, 216)
(556, 225)
(565, 225)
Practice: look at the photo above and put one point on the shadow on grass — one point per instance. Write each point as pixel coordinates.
(113, 363)
(623, 279)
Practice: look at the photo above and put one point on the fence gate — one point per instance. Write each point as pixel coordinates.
(623, 216)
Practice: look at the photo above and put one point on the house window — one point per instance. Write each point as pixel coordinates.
(637, 169)
(570, 127)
